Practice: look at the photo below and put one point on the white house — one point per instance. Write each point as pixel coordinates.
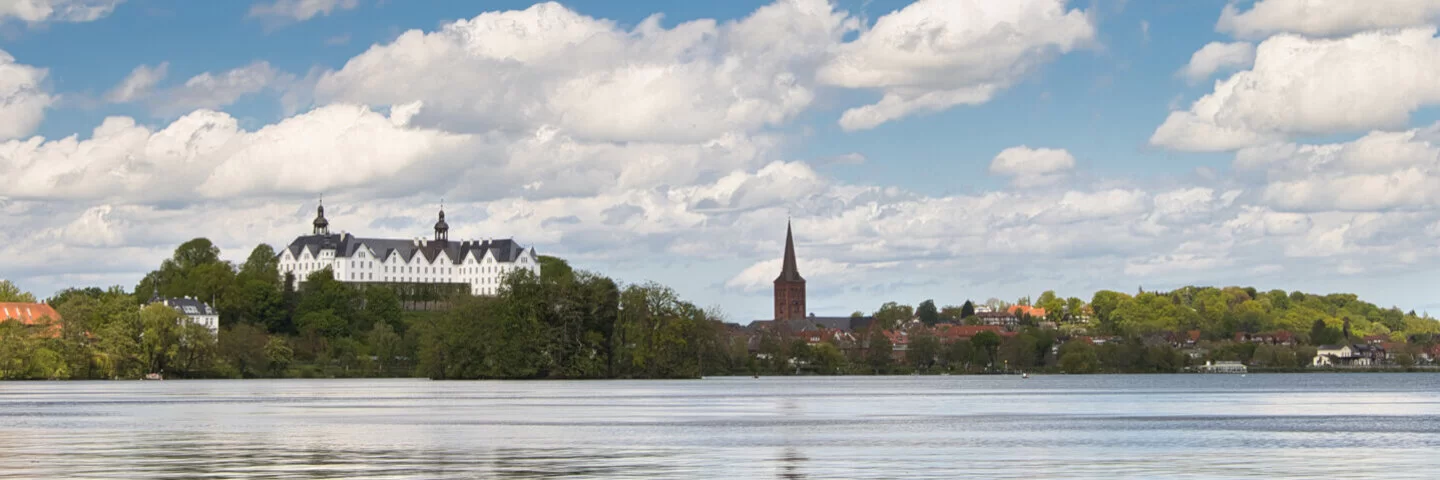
(480, 264)
(1346, 355)
(196, 311)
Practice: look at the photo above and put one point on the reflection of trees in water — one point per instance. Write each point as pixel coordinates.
(790, 462)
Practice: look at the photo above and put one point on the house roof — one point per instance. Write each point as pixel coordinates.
(1027, 310)
(27, 313)
(847, 324)
(188, 306)
(965, 331)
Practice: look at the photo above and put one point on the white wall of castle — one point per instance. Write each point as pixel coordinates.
(483, 274)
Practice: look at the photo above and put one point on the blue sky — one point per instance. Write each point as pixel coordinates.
(1088, 162)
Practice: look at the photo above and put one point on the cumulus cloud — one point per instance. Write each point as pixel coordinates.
(936, 54)
(300, 10)
(1324, 18)
(138, 84)
(1032, 167)
(40, 11)
(207, 155)
(23, 99)
(550, 66)
(1216, 57)
(1380, 171)
(1302, 86)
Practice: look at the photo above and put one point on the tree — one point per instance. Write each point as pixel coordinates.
(278, 355)
(924, 349)
(1074, 307)
(262, 265)
(986, 342)
(242, 346)
(878, 351)
(1322, 334)
(1078, 357)
(1104, 304)
(967, 310)
(160, 342)
(891, 315)
(927, 312)
(9, 292)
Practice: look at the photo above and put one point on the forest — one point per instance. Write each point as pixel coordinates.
(563, 324)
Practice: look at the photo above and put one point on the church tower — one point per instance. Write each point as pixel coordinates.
(789, 286)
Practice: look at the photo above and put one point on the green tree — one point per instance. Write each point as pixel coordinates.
(278, 355)
(9, 292)
(927, 312)
(879, 351)
(160, 342)
(987, 342)
(892, 315)
(924, 349)
(242, 347)
(1078, 357)
(967, 310)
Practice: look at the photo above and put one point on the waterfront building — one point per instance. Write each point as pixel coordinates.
(195, 311)
(31, 314)
(479, 265)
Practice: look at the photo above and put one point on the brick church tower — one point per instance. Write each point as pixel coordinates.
(789, 286)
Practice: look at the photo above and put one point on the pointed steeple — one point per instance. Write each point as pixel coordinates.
(789, 272)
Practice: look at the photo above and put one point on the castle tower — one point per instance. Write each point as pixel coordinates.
(322, 226)
(789, 286)
(442, 229)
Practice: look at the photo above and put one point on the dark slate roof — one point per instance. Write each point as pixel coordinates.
(201, 308)
(848, 324)
(346, 246)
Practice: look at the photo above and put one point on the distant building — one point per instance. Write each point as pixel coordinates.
(479, 265)
(195, 311)
(1352, 355)
(1223, 367)
(789, 286)
(999, 319)
(31, 314)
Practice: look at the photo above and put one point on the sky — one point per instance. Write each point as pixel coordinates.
(935, 149)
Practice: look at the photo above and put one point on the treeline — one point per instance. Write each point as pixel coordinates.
(565, 324)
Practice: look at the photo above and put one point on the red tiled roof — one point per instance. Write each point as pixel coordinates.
(28, 313)
(1028, 310)
(955, 332)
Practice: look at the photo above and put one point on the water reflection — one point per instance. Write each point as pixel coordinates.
(790, 462)
(926, 427)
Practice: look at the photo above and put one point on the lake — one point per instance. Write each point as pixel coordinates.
(1151, 426)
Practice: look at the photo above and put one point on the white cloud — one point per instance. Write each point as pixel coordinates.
(1032, 167)
(1380, 171)
(1302, 86)
(1325, 18)
(548, 66)
(40, 11)
(1216, 57)
(300, 10)
(23, 99)
(138, 84)
(206, 155)
(936, 54)
(209, 90)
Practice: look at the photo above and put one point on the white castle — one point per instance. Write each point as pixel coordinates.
(482, 265)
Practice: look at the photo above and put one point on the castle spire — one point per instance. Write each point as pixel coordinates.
(442, 229)
(322, 226)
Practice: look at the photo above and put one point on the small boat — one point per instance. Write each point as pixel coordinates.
(153, 376)
(1024, 375)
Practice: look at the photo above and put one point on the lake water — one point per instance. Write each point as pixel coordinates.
(1150, 426)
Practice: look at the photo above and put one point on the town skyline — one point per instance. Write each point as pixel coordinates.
(1105, 145)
